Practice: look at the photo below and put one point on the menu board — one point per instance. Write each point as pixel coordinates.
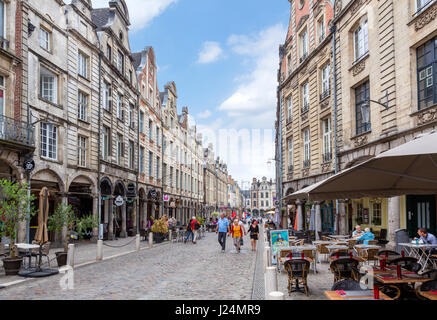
(278, 240)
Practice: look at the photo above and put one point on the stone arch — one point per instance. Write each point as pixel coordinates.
(8, 170)
(142, 194)
(119, 188)
(81, 179)
(106, 187)
(48, 176)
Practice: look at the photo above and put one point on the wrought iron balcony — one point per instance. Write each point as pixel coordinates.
(306, 164)
(325, 93)
(305, 108)
(17, 132)
(327, 157)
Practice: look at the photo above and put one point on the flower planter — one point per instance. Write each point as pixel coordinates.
(61, 258)
(12, 266)
(158, 237)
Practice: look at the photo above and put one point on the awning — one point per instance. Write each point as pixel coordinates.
(410, 168)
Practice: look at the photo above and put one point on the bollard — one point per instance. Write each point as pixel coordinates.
(276, 295)
(269, 257)
(170, 235)
(138, 242)
(271, 281)
(150, 239)
(99, 250)
(70, 255)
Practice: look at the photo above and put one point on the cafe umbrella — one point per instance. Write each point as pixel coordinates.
(41, 237)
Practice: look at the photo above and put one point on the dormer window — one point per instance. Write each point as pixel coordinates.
(121, 35)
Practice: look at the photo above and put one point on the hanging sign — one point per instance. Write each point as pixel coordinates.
(29, 165)
(165, 197)
(119, 201)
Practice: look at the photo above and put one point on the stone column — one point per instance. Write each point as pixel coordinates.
(123, 233)
(318, 219)
(96, 216)
(105, 211)
(64, 200)
(110, 205)
(341, 215)
(393, 220)
(299, 215)
(134, 216)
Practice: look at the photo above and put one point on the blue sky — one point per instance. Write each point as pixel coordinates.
(223, 56)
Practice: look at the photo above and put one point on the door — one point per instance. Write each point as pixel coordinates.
(327, 217)
(421, 213)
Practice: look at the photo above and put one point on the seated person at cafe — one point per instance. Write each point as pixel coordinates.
(357, 232)
(366, 236)
(427, 238)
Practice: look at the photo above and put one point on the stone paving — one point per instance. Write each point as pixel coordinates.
(166, 271)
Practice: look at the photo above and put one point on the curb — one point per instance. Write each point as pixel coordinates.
(83, 264)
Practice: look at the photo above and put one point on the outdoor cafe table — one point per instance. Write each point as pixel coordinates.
(300, 249)
(25, 246)
(340, 237)
(428, 294)
(335, 247)
(407, 277)
(333, 258)
(355, 295)
(389, 258)
(420, 251)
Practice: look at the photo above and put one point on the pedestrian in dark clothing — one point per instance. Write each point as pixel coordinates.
(254, 234)
(189, 232)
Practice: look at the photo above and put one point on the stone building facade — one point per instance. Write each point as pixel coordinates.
(262, 195)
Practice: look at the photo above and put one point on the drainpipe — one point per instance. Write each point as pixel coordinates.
(138, 159)
(99, 165)
(334, 98)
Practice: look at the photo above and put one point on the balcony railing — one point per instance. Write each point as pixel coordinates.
(327, 157)
(17, 131)
(304, 56)
(306, 164)
(325, 93)
(305, 108)
(4, 44)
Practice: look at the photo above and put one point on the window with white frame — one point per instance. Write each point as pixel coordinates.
(131, 116)
(49, 141)
(325, 80)
(81, 149)
(141, 160)
(44, 38)
(2, 19)
(106, 95)
(82, 64)
(157, 167)
(289, 108)
(306, 147)
(141, 122)
(150, 129)
(108, 52)
(361, 40)
(131, 154)
(119, 106)
(82, 106)
(150, 163)
(426, 74)
(289, 64)
(376, 213)
(119, 148)
(105, 146)
(120, 62)
(290, 154)
(48, 85)
(2, 96)
(305, 97)
(422, 5)
(303, 44)
(321, 32)
(157, 136)
(326, 129)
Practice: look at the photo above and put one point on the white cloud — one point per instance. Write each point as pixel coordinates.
(210, 52)
(141, 12)
(204, 115)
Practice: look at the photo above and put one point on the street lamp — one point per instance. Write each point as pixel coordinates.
(365, 107)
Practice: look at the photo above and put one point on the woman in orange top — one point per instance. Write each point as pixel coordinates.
(237, 232)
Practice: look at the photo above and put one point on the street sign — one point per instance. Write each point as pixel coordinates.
(29, 165)
(119, 201)
(153, 194)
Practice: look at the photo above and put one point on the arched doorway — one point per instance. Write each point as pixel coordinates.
(107, 207)
(142, 208)
(120, 211)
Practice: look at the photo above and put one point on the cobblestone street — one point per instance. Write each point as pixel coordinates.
(167, 271)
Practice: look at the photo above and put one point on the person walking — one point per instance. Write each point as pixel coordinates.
(189, 232)
(254, 234)
(237, 233)
(195, 225)
(222, 229)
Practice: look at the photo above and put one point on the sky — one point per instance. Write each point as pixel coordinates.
(223, 57)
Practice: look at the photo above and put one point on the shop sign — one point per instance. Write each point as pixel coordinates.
(131, 190)
(153, 194)
(105, 197)
(165, 197)
(119, 201)
(29, 165)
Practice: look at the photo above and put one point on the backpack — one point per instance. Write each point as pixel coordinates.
(196, 225)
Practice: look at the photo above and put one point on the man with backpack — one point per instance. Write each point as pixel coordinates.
(195, 225)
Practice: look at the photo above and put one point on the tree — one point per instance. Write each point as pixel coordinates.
(15, 206)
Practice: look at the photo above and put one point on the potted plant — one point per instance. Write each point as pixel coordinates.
(159, 229)
(64, 216)
(15, 207)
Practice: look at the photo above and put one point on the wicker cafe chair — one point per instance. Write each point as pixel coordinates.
(347, 285)
(426, 286)
(345, 268)
(44, 252)
(283, 253)
(297, 271)
(351, 243)
(369, 254)
(321, 249)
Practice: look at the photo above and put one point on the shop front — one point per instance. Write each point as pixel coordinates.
(421, 212)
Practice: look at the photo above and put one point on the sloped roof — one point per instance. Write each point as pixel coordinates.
(100, 17)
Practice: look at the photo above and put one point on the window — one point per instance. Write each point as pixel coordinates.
(48, 85)
(359, 212)
(361, 41)
(120, 62)
(267, 203)
(362, 113)
(254, 195)
(289, 66)
(267, 194)
(105, 147)
(150, 129)
(2, 19)
(131, 154)
(130, 76)
(254, 203)
(262, 203)
(177, 178)
(119, 106)
(306, 146)
(82, 106)
(141, 122)
(262, 195)
(141, 168)
(164, 173)
(2, 96)
(321, 29)
(303, 45)
(44, 35)
(171, 123)
(150, 164)
(157, 136)
(305, 97)
(422, 5)
(119, 148)
(325, 81)
(82, 64)
(171, 177)
(177, 153)
(109, 52)
(427, 74)
(81, 146)
(376, 213)
(49, 141)
(290, 154)
(131, 116)
(106, 96)
(326, 129)
(290, 109)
